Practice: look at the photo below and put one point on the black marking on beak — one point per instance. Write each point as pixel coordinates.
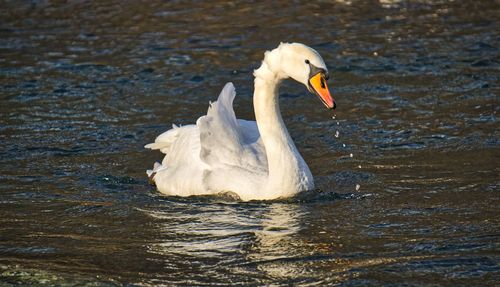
(313, 70)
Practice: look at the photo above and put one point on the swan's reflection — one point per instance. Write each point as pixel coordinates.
(278, 225)
(277, 240)
(237, 237)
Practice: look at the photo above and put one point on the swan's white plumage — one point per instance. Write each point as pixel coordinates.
(255, 160)
(224, 140)
(210, 156)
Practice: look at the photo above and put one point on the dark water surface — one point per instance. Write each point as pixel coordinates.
(83, 86)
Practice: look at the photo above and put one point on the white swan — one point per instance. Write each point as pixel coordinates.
(256, 160)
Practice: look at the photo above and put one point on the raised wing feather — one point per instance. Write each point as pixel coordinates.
(227, 141)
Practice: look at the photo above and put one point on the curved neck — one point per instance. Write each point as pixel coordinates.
(287, 169)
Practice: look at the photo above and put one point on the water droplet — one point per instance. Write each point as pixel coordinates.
(359, 166)
(337, 134)
(343, 145)
(358, 187)
(375, 54)
(333, 117)
(338, 123)
(351, 155)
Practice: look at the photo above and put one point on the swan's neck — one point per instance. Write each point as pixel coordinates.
(288, 172)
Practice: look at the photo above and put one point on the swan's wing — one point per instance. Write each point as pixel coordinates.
(219, 132)
(223, 140)
(252, 142)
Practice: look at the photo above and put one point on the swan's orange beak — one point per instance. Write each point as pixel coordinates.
(317, 83)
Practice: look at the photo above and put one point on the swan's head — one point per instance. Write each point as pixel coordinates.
(306, 66)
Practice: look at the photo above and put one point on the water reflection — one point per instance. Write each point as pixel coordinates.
(210, 233)
(259, 236)
(279, 223)
(277, 236)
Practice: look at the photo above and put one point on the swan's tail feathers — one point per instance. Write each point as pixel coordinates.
(156, 166)
(165, 140)
(152, 172)
(149, 172)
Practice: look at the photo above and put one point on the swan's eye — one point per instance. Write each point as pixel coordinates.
(307, 61)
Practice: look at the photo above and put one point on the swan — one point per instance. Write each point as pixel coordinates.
(256, 160)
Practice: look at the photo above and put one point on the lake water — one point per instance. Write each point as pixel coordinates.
(84, 86)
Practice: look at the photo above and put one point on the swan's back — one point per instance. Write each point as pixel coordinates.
(219, 147)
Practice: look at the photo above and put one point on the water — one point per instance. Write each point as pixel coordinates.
(83, 86)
